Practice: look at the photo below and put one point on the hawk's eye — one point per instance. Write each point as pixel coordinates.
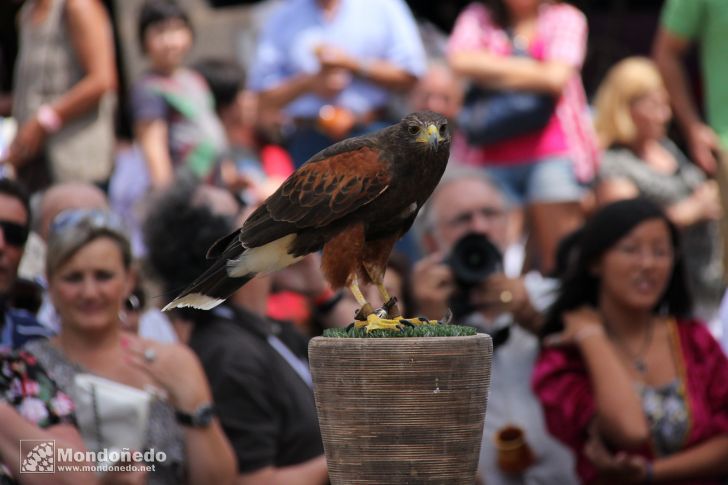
(443, 129)
(414, 129)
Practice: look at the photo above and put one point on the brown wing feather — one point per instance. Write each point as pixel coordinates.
(319, 193)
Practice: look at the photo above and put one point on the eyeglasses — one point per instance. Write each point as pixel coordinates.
(91, 218)
(466, 217)
(14, 234)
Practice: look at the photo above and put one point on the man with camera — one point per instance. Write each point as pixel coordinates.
(463, 231)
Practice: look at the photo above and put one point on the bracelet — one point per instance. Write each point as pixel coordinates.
(48, 118)
(587, 332)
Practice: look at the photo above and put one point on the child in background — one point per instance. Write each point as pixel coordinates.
(174, 118)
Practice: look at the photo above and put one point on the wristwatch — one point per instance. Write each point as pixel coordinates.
(200, 417)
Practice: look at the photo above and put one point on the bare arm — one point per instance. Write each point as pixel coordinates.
(212, 459)
(152, 136)
(517, 73)
(312, 472)
(708, 459)
(15, 427)
(619, 415)
(702, 205)
(386, 74)
(377, 71)
(280, 95)
(613, 189)
(91, 37)
(668, 52)
(92, 40)
(179, 372)
(619, 411)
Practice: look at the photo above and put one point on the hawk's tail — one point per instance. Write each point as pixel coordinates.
(210, 289)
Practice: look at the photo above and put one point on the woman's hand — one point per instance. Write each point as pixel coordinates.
(27, 143)
(620, 467)
(707, 200)
(704, 145)
(173, 367)
(579, 325)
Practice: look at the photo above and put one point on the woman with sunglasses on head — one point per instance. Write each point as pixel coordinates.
(627, 379)
(89, 274)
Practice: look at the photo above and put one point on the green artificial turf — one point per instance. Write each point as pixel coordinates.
(420, 331)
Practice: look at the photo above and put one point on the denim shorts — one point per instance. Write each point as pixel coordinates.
(550, 179)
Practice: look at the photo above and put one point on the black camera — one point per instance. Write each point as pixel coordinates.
(473, 258)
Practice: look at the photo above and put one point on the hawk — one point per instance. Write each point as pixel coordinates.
(353, 200)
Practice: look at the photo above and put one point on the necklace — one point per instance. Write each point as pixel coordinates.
(638, 359)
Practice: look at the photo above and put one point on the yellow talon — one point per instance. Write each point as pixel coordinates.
(374, 322)
(416, 321)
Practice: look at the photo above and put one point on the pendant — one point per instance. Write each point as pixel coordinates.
(640, 366)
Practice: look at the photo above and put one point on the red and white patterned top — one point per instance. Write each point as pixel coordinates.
(561, 35)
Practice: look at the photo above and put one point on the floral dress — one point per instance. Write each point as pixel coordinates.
(26, 386)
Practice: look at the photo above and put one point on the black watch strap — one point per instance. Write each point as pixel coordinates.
(200, 417)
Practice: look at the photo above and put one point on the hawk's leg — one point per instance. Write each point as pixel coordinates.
(373, 321)
(392, 309)
(366, 307)
(390, 303)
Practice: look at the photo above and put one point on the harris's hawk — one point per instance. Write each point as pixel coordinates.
(353, 200)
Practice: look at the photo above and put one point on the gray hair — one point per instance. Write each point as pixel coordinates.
(425, 222)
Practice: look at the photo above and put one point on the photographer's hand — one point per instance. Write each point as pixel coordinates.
(501, 294)
(432, 286)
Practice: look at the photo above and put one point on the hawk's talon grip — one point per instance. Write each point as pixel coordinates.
(364, 312)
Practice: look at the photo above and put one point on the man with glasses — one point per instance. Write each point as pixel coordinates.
(508, 308)
(16, 326)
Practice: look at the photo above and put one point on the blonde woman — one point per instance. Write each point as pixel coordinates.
(89, 277)
(632, 116)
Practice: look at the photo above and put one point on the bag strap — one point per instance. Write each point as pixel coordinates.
(97, 418)
(296, 363)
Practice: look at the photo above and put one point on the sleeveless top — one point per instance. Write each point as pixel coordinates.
(47, 67)
(163, 432)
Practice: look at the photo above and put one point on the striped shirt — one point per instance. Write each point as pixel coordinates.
(20, 327)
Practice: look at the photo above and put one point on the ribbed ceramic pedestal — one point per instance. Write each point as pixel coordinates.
(401, 410)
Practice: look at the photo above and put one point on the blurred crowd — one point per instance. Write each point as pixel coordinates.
(586, 236)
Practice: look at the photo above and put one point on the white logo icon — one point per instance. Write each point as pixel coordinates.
(38, 456)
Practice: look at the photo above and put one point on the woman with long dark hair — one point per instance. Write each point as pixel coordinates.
(628, 380)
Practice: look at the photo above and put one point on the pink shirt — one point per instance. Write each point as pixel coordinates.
(561, 35)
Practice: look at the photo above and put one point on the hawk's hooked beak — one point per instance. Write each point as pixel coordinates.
(430, 136)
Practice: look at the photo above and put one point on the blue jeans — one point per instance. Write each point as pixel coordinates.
(547, 180)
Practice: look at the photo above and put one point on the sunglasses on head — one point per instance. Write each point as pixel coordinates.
(14, 234)
(94, 218)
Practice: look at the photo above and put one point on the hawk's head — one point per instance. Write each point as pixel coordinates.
(426, 129)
